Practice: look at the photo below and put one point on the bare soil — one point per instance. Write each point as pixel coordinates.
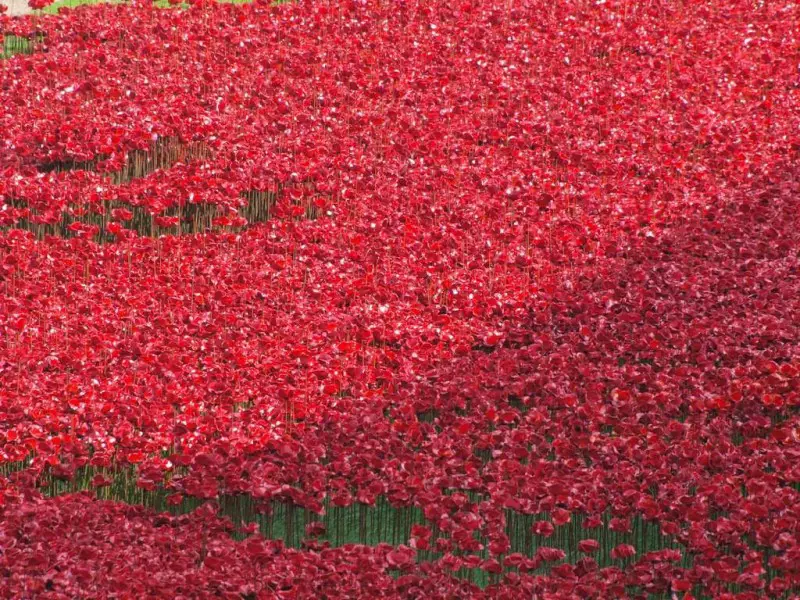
(17, 7)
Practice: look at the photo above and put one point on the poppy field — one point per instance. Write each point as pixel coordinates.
(409, 299)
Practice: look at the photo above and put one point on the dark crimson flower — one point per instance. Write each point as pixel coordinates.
(401, 557)
(588, 546)
(622, 551)
(543, 528)
(560, 517)
(491, 565)
(547, 554)
(100, 480)
(315, 529)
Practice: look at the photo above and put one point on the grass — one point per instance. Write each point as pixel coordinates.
(53, 8)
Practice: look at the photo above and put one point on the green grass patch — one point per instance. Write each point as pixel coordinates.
(53, 8)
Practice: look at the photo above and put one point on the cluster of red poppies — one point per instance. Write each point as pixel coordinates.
(457, 298)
